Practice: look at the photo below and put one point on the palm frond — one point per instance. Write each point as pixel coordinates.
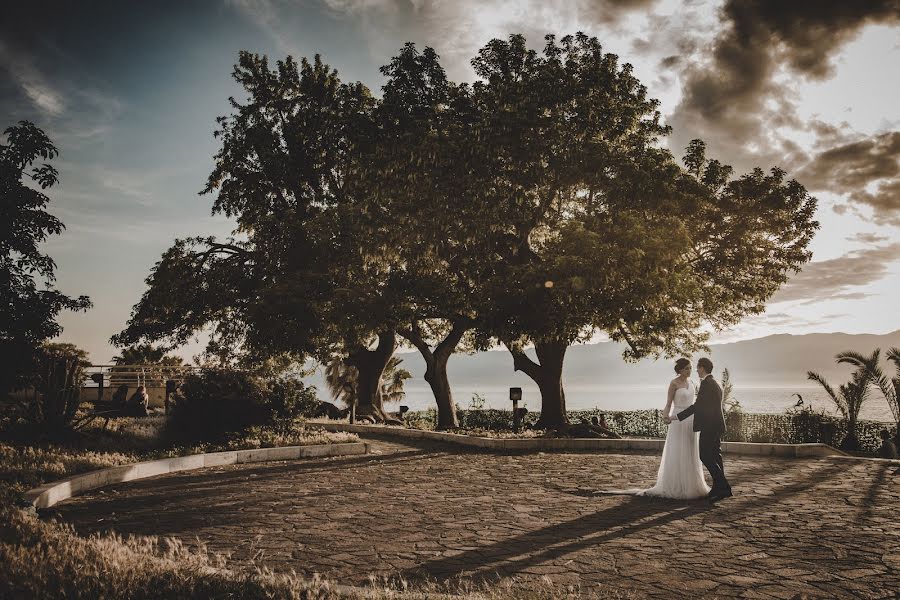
(838, 400)
(392, 384)
(857, 359)
(893, 355)
(341, 380)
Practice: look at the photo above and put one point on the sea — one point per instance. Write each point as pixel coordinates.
(639, 397)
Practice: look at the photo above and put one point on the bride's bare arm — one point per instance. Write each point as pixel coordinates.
(670, 398)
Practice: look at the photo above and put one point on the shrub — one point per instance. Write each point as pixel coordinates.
(54, 387)
(797, 427)
(214, 402)
(290, 398)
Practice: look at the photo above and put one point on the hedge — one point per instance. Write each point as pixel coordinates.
(800, 427)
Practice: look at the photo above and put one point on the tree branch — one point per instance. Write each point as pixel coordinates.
(414, 335)
(521, 362)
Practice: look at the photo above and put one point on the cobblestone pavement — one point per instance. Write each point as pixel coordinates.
(823, 527)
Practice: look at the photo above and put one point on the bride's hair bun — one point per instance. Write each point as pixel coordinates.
(680, 364)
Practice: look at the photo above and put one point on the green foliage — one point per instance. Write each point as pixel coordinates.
(477, 402)
(535, 205)
(392, 381)
(342, 379)
(287, 171)
(27, 312)
(734, 414)
(54, 381)
(850, 397)
(798, 426)
(597, 228)
(146, 354)
(289, 398)
(889, 388)
(215, 402)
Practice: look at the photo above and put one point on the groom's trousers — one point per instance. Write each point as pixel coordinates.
(711, 457)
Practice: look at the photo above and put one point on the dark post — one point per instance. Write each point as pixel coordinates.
(403, 410)
(348, 388)
(515, 394)
(171, 388)
(98, 379)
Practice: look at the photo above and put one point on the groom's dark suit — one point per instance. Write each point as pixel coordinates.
(709, 420)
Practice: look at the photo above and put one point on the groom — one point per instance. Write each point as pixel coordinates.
(709, 420)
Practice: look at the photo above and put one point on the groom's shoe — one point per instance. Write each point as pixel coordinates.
(715, 496)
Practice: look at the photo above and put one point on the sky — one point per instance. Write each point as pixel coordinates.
(129, 93)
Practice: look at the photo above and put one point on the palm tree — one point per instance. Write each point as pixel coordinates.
(341, 380)
(144, 363)
(392, 381)
(852, 395)
(890, 388)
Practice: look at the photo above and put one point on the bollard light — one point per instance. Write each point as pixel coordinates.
(515, 394)
(98, 379)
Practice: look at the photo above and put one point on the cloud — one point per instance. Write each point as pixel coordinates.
(458, 29)
(866, 170)
(837, 278)
(733, 100)
(867, 238)
(774, 322)
(30, 81)
(70, 107)
(266, 14)
(782, 318)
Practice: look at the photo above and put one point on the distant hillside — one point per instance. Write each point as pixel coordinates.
(772, 361)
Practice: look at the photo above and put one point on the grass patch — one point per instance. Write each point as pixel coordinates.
(47, 559)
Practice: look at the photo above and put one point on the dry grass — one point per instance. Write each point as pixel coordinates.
(49, 561)
(40, 559)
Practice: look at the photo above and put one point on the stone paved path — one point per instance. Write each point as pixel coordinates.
(823, 527)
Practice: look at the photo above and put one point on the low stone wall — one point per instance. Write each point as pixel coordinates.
(539, 444)
(51, 493)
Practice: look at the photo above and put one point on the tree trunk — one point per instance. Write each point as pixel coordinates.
(851, 440)
(370, 365)
(436, 368)
(547, 374)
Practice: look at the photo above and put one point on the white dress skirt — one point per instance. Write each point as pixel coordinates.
(680, 474)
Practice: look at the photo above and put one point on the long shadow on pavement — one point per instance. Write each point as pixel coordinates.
(535, 547)
(512, 555)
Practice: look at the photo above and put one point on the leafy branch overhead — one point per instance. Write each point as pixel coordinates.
(28, 307)
(535, 206)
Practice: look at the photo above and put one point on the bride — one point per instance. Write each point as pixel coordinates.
(680, 470)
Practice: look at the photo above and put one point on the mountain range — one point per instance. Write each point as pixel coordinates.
(780, 360)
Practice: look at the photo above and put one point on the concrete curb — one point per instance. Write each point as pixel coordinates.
(51, 493)
(543, 444)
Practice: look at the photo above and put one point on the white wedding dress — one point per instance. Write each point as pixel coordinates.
(680, 470)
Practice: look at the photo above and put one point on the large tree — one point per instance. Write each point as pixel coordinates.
(426, 167)
(28, 311)
(298, 277)
(146, 354)
(598, 228)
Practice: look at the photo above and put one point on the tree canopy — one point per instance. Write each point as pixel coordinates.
(28, 307)
(536, 206)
